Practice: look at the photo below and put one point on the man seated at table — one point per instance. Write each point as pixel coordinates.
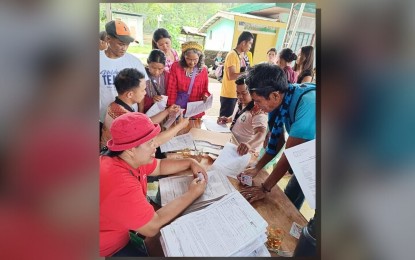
(289, 105)
(123, 185)
(249, 125)
(131, 88)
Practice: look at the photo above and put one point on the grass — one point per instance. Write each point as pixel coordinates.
(138, 49)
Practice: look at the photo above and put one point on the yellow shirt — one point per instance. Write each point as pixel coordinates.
(228, 86)
(249, 54)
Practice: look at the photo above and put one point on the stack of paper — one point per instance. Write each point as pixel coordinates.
(172, 187)
(179, 142)
(228, 227)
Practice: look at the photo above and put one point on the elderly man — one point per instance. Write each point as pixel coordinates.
(291, 106)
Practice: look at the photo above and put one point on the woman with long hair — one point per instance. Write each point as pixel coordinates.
(162, 41)
(304, 64)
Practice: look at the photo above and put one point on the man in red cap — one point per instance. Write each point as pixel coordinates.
(123, 185)
(113, 60)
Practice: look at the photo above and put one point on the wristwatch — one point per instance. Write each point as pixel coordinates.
(264, 189)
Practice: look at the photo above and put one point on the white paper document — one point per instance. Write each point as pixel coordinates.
(212, 125)
(172, 118)
(302, 159)
(157, 107)
(179, 142)
(172, 187)
(194, 108)
(225, 228)
(230, 162)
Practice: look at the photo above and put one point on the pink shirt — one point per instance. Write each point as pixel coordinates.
(170, 62)
(243, 130)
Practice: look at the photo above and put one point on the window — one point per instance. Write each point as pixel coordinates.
(301, 39)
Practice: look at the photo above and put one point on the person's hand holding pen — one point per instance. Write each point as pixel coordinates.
(197, 187)
(223, 120)
(198, 170)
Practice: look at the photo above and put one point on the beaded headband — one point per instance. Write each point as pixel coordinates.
(191, 45)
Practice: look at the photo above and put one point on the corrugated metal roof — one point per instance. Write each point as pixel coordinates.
(191, 31)
(247, 8)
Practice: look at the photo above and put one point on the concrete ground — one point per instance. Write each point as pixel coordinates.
(214, 89)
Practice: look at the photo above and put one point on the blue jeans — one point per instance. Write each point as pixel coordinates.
(294, 192)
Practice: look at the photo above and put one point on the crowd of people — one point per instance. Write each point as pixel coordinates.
(259, 102)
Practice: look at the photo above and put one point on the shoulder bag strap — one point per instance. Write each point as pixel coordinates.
(192, 81)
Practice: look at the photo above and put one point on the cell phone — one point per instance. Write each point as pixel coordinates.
(246, 179)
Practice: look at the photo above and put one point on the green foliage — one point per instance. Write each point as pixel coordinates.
(174, 31)
(174, 16)
(139, 49)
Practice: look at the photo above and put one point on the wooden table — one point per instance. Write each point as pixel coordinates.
(275, 208)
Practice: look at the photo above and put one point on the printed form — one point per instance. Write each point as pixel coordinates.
(302, 159)
(222, 229)
(178, 143)
(172, 187)
(230, 162)
(195, 108)
(212, 125)
(157, 107)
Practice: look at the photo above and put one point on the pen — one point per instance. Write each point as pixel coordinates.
(200, 177)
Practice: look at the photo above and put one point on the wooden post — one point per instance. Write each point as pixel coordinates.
(108, 12)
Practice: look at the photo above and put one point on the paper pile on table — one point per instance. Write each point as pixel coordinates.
(228, 227)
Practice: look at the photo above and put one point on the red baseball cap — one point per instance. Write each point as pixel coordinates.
(131, 130)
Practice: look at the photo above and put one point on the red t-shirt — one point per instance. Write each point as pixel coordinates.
(123, 203)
